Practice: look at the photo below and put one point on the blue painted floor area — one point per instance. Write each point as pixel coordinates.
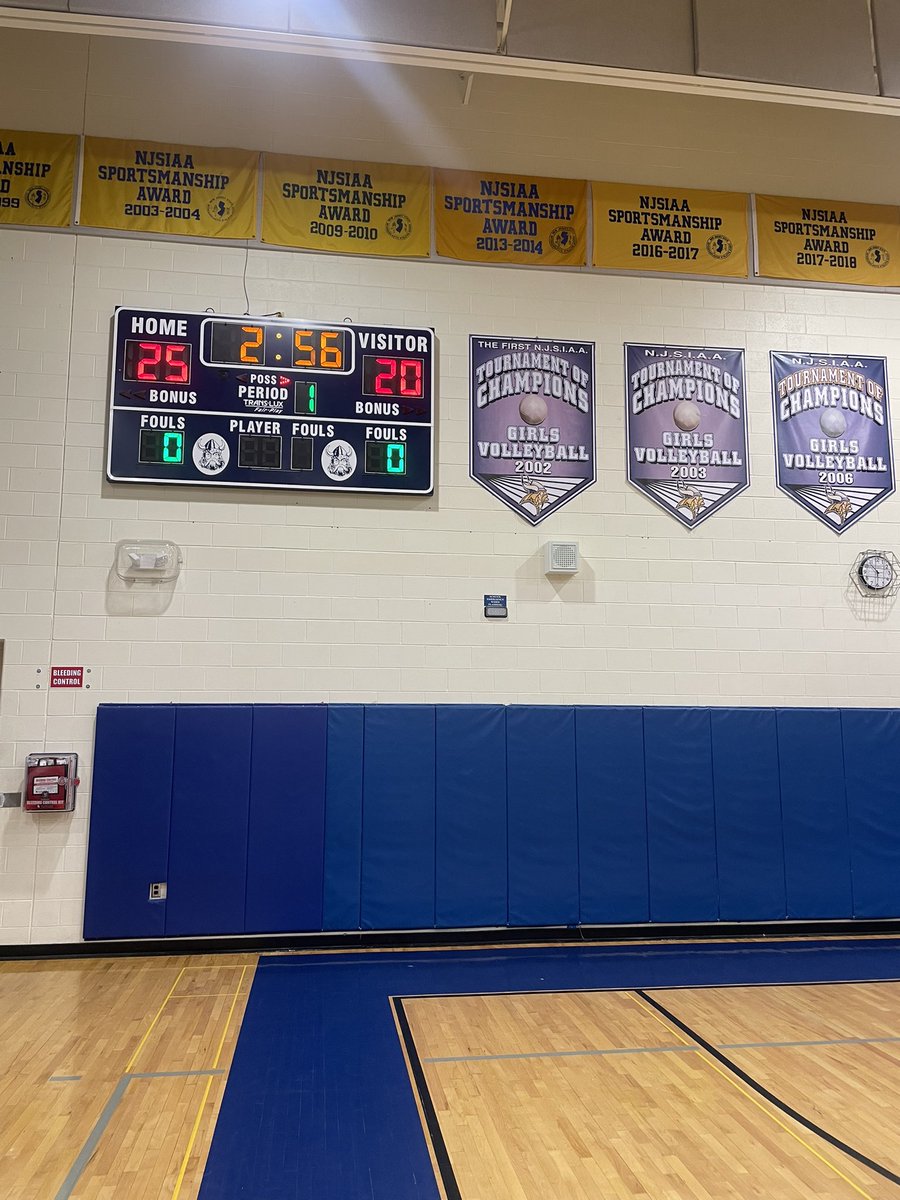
(319, 1104)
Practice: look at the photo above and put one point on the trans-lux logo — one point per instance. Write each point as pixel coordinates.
(532, 421)
(832, 434)
(687, 427)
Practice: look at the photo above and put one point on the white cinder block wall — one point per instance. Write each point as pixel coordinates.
(305, 598)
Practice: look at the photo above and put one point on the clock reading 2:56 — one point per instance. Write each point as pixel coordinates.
(278, 347)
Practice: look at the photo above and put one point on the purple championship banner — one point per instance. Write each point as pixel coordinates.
(687, 427)
(532, 427)
(832, 434)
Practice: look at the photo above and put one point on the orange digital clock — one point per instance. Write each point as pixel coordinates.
(278, 346)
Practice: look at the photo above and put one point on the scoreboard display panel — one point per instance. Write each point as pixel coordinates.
(200, 398)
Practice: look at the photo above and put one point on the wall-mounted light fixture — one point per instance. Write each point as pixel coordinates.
(147, 561)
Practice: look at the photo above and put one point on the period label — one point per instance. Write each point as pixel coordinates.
(510, 219)
(828, 241)
(832, 434)
(37, 174)
(149, 187)
(532, 421)
(347, 207)
(687, 427)
(641, 228)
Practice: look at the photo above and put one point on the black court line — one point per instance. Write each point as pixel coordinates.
(675, 987)
(757, 1087)
(445, 1167)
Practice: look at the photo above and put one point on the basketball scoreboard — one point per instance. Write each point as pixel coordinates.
(199, 398)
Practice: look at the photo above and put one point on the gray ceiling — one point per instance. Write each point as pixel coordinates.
(830, 45)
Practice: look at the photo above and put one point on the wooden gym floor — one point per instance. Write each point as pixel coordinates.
(603, 1095)
(112, 1073)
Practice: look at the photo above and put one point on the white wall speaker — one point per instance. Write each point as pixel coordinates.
(561, 558)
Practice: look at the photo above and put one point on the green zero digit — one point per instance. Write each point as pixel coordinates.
(173, 448)
(396, 458)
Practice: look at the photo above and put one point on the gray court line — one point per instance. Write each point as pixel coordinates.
(873, 1041)
(63, 1078)
(70, 1182)
(568, 1054)
(661, 1050)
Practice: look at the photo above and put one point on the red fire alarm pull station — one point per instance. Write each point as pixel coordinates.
(50, 782)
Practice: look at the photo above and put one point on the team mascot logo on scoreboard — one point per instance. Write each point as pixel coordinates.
(532, 427)
(832, 434)
(687, 427)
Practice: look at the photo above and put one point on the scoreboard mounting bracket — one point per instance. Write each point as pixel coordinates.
(237, 401)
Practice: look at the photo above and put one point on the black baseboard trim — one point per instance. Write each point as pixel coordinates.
(412, 939)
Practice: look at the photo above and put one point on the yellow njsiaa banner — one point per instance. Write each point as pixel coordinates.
(149, 187)
(346, 207)
(828, 241)
(643, 228)
(37, 175)
(510, 218)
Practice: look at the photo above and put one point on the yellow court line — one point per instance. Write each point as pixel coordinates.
(237, 992)
(196, 1126)
(152, 1025)
(672, 1029)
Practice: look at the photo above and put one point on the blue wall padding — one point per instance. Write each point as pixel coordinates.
(130, 805)
(398, 817)
(285, 849)
(343, 817)
(814, 805)
(612, 815)
(282, 818)
(208, 831)
(542, 808)
(680, 815)
(749, 849)
(470, 815)
(871, 741)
